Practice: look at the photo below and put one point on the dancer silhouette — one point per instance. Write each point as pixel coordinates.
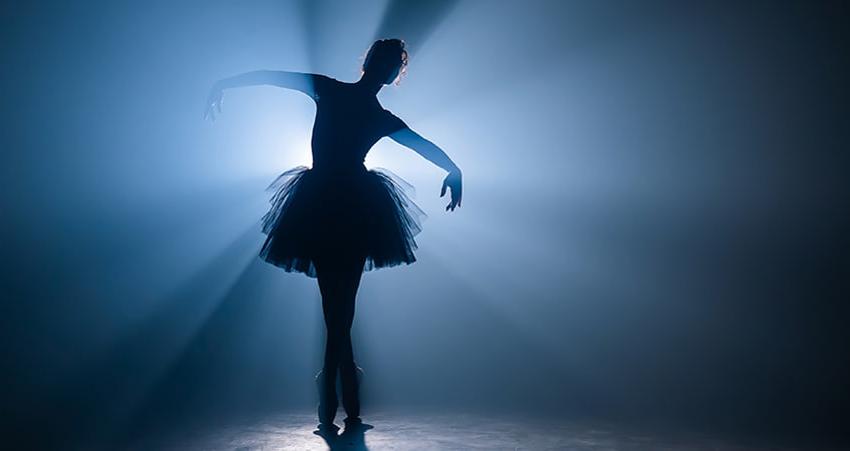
(337, 219)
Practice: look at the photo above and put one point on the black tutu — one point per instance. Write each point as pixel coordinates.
(326, 215)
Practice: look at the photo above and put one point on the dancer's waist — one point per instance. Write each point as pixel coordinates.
(339, 169)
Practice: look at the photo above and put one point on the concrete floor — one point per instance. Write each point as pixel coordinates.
(433, 432)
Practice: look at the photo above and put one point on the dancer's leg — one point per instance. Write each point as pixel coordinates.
(328, 286)
(348, 369)
(338, 283)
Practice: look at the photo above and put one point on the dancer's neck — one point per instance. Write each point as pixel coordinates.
(370, 83)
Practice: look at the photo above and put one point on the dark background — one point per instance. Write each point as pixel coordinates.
(654, 227)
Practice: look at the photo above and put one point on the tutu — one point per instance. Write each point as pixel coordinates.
(318, 214)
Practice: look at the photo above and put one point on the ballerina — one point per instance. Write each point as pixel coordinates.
(337, 219)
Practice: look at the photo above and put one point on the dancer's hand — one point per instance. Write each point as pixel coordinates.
(454, 182)
(214, 102)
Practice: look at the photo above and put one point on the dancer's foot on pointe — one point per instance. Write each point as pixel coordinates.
(326, 430)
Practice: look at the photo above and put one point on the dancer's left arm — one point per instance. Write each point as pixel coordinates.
(433, 153)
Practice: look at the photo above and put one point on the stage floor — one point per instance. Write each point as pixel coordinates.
(439, 432)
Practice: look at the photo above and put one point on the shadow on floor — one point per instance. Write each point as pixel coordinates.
(353, 438)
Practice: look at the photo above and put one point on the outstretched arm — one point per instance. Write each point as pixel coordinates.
(290, 80)
(431, 152)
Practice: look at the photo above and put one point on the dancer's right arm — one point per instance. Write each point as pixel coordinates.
(290, 80)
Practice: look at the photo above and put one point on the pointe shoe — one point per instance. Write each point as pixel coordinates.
(329, 432)
(350, 381)
(327, 428)
(328, 402)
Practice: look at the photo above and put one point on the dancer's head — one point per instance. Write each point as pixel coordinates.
(386, 60)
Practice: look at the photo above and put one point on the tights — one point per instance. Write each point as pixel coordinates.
(339, 279)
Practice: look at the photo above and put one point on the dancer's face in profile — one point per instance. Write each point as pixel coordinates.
(393, 75)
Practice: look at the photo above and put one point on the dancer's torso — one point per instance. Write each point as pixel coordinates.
(349, 121)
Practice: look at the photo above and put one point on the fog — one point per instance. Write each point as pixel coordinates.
(653, 227)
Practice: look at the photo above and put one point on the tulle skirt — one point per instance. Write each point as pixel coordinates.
(318, 214)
